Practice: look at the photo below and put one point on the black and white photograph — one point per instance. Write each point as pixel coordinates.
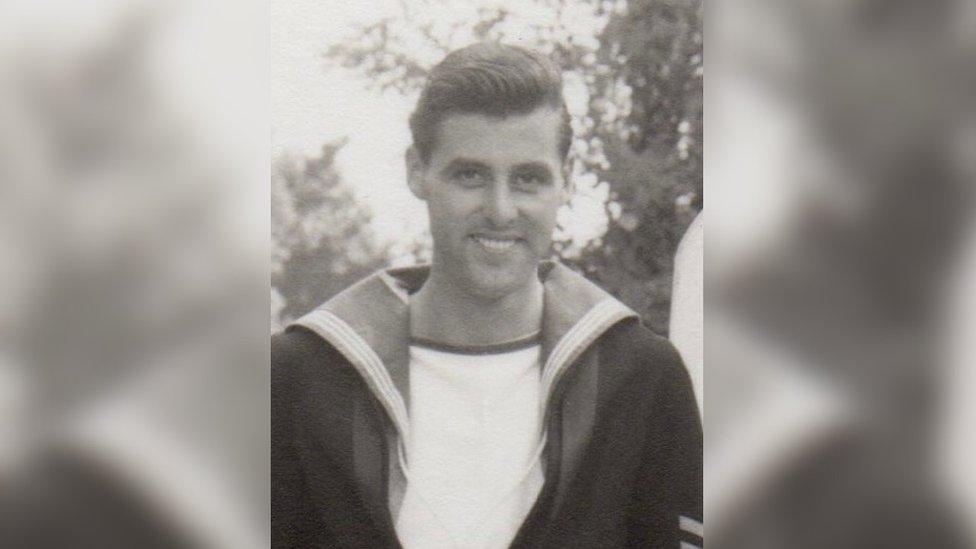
(486, 222)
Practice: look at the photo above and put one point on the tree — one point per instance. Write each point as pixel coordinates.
(654, 153)
(321, 240)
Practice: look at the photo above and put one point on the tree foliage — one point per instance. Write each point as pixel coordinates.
(656, 178)
(321, 240)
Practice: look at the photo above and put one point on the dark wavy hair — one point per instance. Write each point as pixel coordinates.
(491, 79)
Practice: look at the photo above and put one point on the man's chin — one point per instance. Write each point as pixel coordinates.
(496, 283)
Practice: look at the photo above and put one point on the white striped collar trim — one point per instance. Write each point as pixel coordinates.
(331, 327)
(335, 330)
(691, 526)
(591, 326)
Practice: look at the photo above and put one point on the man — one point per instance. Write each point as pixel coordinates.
(494, 398)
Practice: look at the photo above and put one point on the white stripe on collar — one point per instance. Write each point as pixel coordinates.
(334, 330)
(593, 324)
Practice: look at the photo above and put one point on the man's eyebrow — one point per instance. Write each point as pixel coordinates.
(533, 167)
(465, 163)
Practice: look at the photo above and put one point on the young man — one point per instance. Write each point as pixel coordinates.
(493, 398)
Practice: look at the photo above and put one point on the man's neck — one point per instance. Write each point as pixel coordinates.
(443, 312)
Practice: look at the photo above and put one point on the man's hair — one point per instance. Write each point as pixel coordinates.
(490, 79)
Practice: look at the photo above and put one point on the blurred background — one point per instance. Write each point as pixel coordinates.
(839, 313)
(133, 273)
(345, 81)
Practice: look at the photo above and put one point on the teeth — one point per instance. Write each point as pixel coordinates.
(495, 244)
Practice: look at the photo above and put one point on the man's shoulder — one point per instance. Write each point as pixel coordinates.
(298, 352)
(642, 351)
(637, 340)
(296, 344)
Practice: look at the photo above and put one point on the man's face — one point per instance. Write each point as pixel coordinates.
(492, 187)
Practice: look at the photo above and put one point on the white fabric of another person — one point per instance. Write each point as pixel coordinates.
(688, 305)
(474, 455)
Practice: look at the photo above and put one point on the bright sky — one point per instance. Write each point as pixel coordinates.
(312, 105)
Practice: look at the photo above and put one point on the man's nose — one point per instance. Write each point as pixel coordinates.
(500, 205)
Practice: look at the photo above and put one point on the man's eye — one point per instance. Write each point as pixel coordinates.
(469, 177)
(529, 180)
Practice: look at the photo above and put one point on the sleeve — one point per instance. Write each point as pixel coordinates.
(292, 512)
(667, 506)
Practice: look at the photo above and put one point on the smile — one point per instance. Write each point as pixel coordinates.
(494, 244)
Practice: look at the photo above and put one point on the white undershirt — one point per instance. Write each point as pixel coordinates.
(474, 465)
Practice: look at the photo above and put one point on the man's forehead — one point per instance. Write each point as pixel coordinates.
(530, 135)
(543, 117)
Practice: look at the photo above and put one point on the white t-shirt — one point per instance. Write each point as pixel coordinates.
(474, 457)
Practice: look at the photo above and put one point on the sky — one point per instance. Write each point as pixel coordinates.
(312, 106)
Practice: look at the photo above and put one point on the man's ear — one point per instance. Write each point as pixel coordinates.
(416, 173)
(569, 185)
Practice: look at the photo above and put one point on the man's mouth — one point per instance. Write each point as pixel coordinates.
(494, 243)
